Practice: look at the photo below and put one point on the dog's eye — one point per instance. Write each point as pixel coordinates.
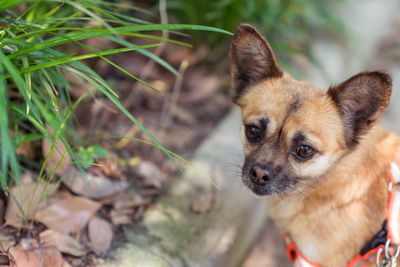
(253, 133)
(304, 152)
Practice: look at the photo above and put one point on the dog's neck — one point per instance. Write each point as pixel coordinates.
(333, 219)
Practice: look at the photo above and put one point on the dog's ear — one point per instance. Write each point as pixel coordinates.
(360, 101)
(252, 59)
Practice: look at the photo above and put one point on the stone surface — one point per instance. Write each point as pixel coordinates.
(180, 231)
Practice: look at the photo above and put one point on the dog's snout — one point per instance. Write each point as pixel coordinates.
(260, 174)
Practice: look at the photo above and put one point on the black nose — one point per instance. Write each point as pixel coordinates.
(260, 174)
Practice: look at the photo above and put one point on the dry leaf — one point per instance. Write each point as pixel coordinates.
(120, 217)
(28, 196)
(96, 187)
(4, 260)
(128, 201)
(60, 155)
(66, 264)
(133, 161)
(100, 235)
(68, 215)
(109, 166)
(26, 150)
(6, 241)
(151, 174)
(63, 242)
(30, 254)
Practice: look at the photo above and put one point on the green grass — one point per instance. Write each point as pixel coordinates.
(38, 40)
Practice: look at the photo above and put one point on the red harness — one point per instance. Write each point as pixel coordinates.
(387, 240)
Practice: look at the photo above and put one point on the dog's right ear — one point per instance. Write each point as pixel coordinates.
(252, 59)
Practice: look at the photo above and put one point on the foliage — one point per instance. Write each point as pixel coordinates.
(38, 44)
(288, 24)
(88, 154)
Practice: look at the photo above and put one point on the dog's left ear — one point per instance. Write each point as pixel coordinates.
(360, 101)
(252, 59)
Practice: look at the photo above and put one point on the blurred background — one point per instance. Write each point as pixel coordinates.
(123, 94)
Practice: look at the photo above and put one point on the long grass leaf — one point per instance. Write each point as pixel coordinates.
(81, 57)
(122, 6)
(51, 12)
(146, 53)
(102, 11)
(91, 14)
(8, 155)
(119, 67)
(76, 36)
(129, 29)
(19, 81)
(21, 22)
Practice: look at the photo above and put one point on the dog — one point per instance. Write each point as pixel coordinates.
(327, 169)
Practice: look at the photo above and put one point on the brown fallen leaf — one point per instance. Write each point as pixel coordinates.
(26, 150)
(69, 215)
(109, 166)
(151, 175)
(28, 197)
(4, 259)
(60, 155)
(63, 242)
(66, 264)
(128, 201)
(95, 187)
(6, 241)
(100, 235)
(121, 217)
(30, 254)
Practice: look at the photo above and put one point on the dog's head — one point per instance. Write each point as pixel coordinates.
(293, 132)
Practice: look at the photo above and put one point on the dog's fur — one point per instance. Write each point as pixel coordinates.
(333, 202)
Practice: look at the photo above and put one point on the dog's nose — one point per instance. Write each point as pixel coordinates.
(260, 174)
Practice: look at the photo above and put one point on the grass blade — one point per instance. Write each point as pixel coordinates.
(8, 156)
(81, 57)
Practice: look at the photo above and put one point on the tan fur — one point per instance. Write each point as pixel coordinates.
(341, 202)
(325, 219)
(333, 220)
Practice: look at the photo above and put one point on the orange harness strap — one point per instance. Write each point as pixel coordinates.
(390, 228)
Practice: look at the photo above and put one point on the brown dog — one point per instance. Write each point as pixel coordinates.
(318, 156)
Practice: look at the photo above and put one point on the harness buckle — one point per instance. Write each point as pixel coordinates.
(391, 253)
